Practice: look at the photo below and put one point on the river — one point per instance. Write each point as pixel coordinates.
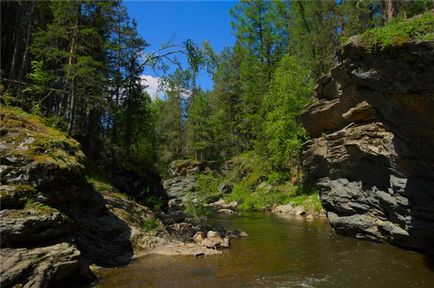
(280, 252)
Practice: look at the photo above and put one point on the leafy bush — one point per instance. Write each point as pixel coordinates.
(207, 186)
(196, 209)
(259, 199)
(290, 90)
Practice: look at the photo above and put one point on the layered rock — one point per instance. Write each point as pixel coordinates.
(36, 234)
(371, 155)
(53, 223)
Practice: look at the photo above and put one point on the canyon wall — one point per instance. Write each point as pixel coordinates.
(372, 149)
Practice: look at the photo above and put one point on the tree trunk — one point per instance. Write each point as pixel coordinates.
(390, 10)
(27, 41)
(70, 77)
(16, 39)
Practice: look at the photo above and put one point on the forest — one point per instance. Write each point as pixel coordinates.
(80, 63)
(319, 118)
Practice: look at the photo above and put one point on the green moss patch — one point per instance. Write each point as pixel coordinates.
(399, 32)
(26, 135)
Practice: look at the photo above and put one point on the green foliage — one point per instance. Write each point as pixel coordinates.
(170, 120)
(290, 90)
(154, 203)
(40, 77)
(150, 224)
(200, 128)
(257, 200)
(207, 186)
(308, 201)
(195, 209)
(98, 182)
(39, 207)
(398, 32)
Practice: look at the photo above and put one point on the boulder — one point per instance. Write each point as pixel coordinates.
(221, 204)
(211, 234)
(284, 208)
(236, 234)
(225, 211)
(198, 237)
(289, 209)
(38, 267)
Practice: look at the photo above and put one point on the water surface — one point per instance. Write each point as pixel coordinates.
(280, 252)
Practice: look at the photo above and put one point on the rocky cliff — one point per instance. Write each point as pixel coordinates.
(55, 223)
(372, 148)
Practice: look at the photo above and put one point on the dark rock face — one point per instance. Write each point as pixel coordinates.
(53, 224)
(371, 155)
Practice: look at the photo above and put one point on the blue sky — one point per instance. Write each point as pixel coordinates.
(175, 21)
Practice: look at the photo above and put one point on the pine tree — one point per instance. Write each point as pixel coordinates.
(171, 118)
(200, 128)
(67, 52)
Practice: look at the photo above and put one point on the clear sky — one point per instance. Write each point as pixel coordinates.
(175, 21)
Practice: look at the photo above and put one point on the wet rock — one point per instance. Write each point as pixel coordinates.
(236, 234)
(38, 267)
(309, 217)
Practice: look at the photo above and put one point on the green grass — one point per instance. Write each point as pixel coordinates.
(31, 203)
(399, 32)
(309, 202)
(99, 183)
(258, 199)
(150, 224)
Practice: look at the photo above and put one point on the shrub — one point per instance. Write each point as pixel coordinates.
(150, 224)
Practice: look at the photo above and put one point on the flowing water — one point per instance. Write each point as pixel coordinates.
(280, 252)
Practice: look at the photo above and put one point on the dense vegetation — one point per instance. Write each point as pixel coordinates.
(80, 64)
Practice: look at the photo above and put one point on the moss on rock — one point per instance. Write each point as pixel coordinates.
(397, 33)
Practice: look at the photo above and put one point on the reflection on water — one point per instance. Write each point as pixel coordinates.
(280, 252)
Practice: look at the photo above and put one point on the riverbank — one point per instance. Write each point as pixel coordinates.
(238, 185)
